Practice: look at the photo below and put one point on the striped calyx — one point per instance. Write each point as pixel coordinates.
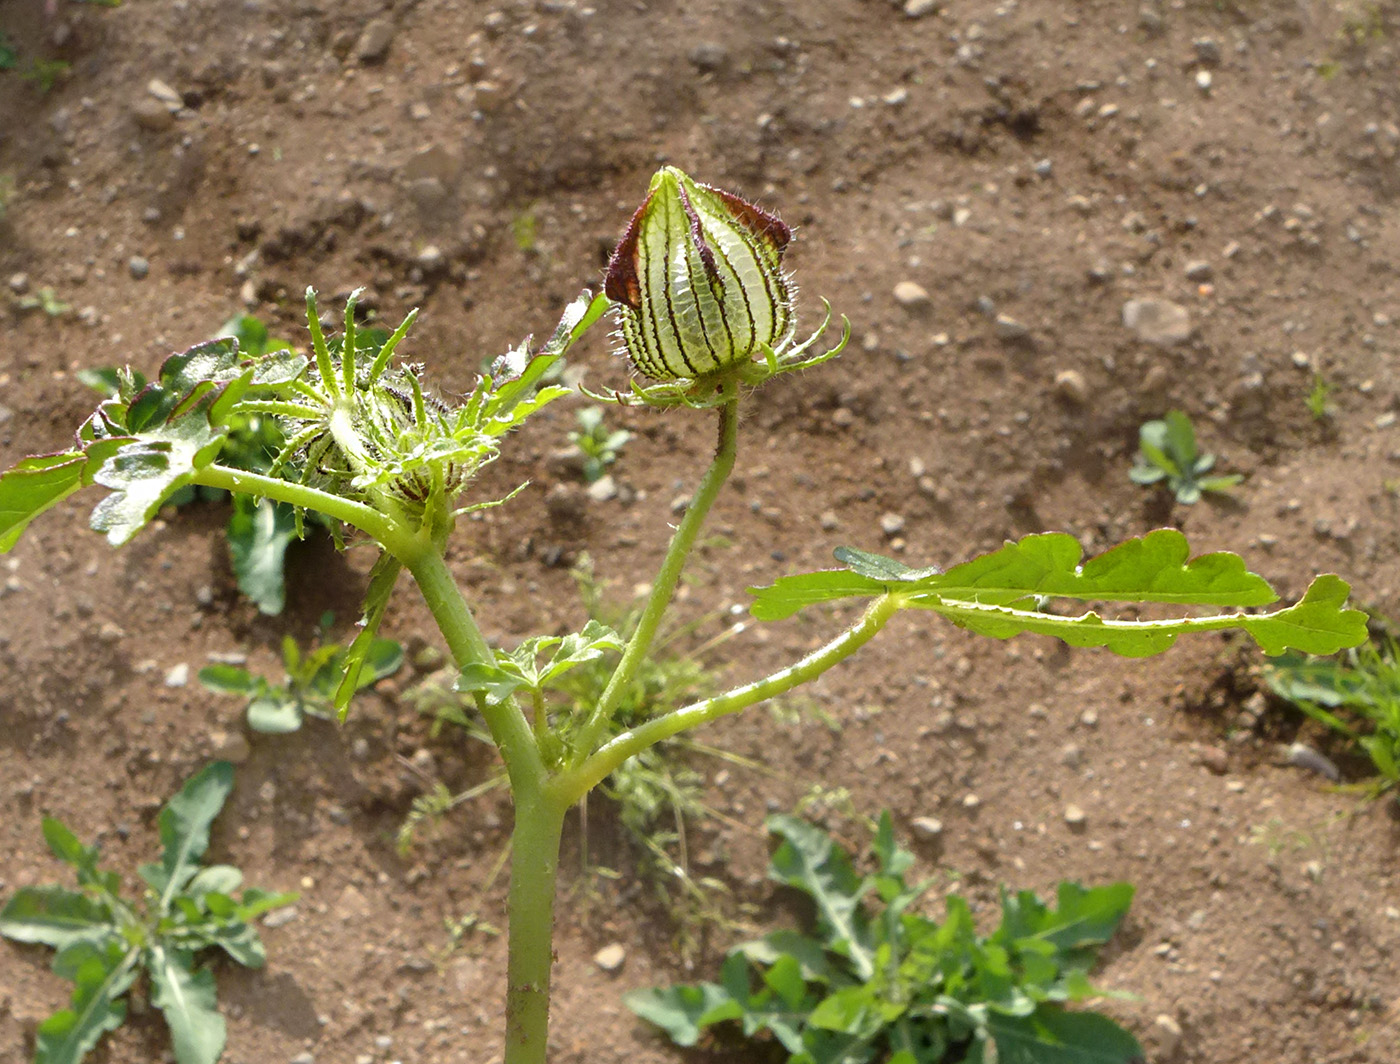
(697, 281)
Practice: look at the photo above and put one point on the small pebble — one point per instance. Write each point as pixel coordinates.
(927, 827)
(152, 115)
(138, 267)
(708, 57)
(374, 42)
(229, 746)
(892, 524)
(603, 489)
(920, 8)
(1167, 1034)
(1214, 759)
(1009, 329)
(1301, 755)
(1074, 817)
(1157, 321)
(1089, 718)
(829, 521)
(1199, 270)
(971, 801)
(1071, 387)
(178, 675)
(611, 957)
(431, 259)
(164, 93)
(911, 295)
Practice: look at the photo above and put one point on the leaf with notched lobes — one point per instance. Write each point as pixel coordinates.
(35, 484)
(1000, 594)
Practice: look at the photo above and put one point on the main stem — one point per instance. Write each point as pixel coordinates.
(539, 822)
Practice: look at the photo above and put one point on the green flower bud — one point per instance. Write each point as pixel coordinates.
(697, 281)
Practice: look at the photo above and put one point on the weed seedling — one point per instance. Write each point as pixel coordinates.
(308, 689)
(598, 444)
(1356, 694)
(1319, 399)
(45, 299)
(105, 941)
(878, 981)
(1167, 452)
(707, 315)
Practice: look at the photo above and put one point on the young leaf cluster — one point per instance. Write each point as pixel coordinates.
(878, 981)
(1008, 592)
(1356, 694)
(105, 941)
(1167, 452)
(310, 684)
(598, 444)
(259, 530)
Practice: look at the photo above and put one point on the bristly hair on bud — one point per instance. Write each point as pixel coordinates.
(700, 295)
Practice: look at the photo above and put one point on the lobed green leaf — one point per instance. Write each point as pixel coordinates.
(809, 860)
(259, 532)
(101, 974)
(187, 999)
(184, 828)
(1054, 1036)
(57, 917)
(999, 594)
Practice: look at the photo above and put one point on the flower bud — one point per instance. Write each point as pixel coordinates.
(697, 281)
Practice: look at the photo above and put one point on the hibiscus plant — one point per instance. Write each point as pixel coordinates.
(706, 315)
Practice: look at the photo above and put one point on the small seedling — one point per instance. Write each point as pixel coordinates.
(309, 687)
(598, 444)
(45, 299)
(1356, 694)
(45, 74)
(877, 981)
(1319, 399)
(104, 941)
(524, 227)
(1167, 452)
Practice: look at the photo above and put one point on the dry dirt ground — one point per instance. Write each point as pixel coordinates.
(1037, 160)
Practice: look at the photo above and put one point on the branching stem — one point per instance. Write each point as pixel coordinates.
(577, 781)
(591, 735)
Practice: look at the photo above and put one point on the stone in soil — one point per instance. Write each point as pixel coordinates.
(911, 295)
(611, 957)
(374, 42)
(1157, 321)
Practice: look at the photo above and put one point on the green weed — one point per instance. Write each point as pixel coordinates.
(877, 981)
(105, 941)
(1167, 452)
(308, 689)
(598, 444)
(1319, 400)
(1356, 694)
(46, 300)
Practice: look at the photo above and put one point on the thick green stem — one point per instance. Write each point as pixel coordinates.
(534, 868)
(509, 727)
(571, 785)
(666, 579)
